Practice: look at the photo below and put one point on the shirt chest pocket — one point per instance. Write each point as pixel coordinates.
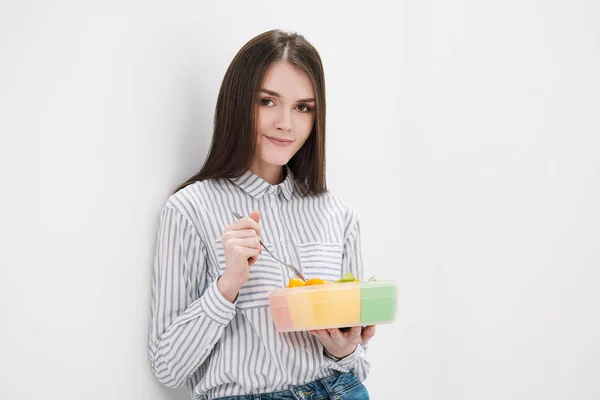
(321, 260)
(264, 275)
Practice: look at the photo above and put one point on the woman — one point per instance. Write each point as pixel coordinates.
(211, 326)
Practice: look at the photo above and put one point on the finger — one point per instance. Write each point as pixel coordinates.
(255, 215)
(323, 334)
(244, 223)
(248, 254)
(336, 335)
(239, 234)
(251, 243)
(239, 247)
(368, 333)
(354, 334)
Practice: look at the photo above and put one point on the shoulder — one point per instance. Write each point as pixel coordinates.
(193, 201)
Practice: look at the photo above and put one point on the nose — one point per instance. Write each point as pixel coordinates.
(283, 122)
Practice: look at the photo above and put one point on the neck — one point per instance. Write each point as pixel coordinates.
(274, 174)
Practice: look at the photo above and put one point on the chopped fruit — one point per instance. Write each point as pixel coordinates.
(315, 281)
(296, 282)
(349, 277)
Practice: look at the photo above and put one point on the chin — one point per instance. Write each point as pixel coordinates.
(276, 159)
(279, 162)
(279, 158)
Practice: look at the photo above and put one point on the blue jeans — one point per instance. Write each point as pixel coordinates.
(335, 387)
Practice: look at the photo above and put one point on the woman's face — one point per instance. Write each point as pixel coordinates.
(286, 114)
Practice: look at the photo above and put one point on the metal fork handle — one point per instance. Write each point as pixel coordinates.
(288, 266)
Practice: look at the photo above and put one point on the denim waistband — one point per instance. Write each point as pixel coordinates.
(320, 389)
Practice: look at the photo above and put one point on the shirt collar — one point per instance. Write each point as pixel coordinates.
(257, 187)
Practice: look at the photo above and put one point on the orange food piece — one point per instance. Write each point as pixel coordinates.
(315, 281)
(296, 282)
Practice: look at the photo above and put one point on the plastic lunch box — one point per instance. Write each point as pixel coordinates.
(333, 305)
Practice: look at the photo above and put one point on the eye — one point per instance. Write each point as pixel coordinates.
(303, 108)
(266, 102)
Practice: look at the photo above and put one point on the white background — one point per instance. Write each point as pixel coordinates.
(465, 133)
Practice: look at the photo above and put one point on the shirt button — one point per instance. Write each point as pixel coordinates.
(308, 350)
(282, 239)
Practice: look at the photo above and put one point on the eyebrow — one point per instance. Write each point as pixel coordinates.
(272, 93)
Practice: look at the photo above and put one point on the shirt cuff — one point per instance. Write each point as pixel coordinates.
(216, 306)
(348, 360)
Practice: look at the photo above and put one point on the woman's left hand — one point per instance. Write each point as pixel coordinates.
(341, 344)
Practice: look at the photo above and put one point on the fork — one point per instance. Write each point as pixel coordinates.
(288, 266)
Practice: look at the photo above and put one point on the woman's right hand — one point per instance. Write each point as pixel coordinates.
(241, 242)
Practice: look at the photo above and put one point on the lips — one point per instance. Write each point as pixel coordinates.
(279, 141)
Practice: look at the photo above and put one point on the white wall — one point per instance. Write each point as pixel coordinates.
(466, 134)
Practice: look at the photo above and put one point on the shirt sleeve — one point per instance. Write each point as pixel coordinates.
(357, 362)
(189, 313)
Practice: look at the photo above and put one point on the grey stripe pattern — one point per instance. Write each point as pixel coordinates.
(217, 348)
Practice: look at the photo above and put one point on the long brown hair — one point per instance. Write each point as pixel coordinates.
(233, 145)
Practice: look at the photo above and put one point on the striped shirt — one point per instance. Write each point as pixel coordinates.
(219, 348)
